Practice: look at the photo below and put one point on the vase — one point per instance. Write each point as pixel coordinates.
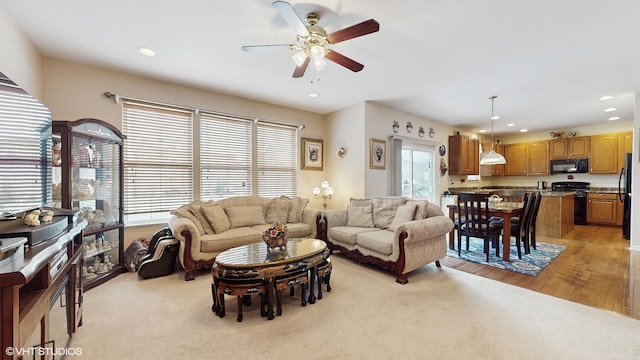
(275, 242)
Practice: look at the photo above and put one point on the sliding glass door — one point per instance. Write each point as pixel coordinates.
(418, 172)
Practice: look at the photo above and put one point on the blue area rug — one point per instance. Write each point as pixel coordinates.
(531, 264)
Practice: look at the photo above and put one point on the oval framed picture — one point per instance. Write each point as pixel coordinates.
(443, 150)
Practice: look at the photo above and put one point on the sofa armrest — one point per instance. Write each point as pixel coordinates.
(186, 231)
(428, 228)
(311, 216)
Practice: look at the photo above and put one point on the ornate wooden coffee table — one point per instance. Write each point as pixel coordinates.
(251, 269)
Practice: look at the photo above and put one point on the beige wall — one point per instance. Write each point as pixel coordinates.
(72, 91)
(19, 60)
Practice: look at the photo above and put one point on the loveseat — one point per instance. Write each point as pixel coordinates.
(205, 229)
(396, 233)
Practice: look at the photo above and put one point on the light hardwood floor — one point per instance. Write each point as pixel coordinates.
(596, 269)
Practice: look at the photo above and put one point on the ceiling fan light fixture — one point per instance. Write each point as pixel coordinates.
(299, 57)
(317, 52)
(319, 63)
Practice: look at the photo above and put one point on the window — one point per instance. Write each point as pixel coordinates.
(412, 168)
(158, 160)
(277, 160)
(25, 150)
(225, 157)
(417, 173)
(165, 167)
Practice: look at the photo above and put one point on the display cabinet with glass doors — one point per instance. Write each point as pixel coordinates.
(88, 177)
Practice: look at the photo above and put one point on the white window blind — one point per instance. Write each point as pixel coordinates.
(225, 157)
(25, 151)
(158, 160)
(277, 160)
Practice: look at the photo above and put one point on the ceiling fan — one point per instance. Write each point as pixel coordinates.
(313, 42)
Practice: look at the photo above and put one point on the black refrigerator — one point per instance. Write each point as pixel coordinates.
(624, 195)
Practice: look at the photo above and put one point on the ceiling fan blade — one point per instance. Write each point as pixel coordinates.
(364, 28)
(299, 71)
(344, 61)
(289, 15)
(252, 48)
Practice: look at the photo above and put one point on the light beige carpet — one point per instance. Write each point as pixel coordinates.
(441, 314)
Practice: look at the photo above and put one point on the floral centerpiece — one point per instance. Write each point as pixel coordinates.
(276, 236)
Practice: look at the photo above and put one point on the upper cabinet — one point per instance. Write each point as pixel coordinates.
(464, 154)
(625, 145)
(516, 156)
(574, 147)
(538, 158)
(603, 155)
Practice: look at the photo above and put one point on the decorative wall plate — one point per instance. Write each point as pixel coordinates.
(442, 150)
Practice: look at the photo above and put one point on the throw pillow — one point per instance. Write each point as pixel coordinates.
(184, 211)
(360, 202)
(421, 210)
(303, 205)
(432, 210)
(196, 210)
(240, 216)
(404, 214)
(294, 210)
(278, 211)
(384, 209)
(216, 217)
(360, 216)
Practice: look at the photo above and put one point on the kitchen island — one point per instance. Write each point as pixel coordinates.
(555, 217)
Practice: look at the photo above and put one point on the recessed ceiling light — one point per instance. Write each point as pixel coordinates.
(511, 125)
(482, 131)
(495, 117)
(524, 130)
(607, 97)
(313, 95)
(146, 51)
(614, 118)
(610, 109)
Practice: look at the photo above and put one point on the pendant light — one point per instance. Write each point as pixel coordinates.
(492, 157)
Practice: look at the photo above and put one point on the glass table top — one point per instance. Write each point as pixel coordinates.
(257, 254)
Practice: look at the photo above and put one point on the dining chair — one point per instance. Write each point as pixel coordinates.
(531, 225)
(473, 221)
(519, 226)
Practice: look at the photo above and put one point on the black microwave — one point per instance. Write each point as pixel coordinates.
(569, 166)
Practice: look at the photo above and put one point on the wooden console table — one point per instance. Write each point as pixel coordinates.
(44, 285)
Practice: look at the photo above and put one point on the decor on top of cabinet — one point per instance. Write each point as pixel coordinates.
(409, 127)
(395, 126)
(572, 133)
(421, 131)
(556, 134)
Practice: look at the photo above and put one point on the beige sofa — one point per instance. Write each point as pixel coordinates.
(398, 234)
(205, 229)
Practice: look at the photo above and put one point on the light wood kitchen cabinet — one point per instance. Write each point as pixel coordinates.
(602, 208)
(464, 154)
(492, 170)
(574, 147)
(603, 158)
(538, 158)
(625, 145)
(516, 156)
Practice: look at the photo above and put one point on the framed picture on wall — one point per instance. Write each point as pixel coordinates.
(377, 153)
(312, 154)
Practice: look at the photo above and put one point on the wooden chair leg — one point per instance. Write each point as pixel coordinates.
(240, 301)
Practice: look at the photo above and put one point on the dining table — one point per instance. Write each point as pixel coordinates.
(505, 210)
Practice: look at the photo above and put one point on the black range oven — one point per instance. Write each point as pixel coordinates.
(580, 202)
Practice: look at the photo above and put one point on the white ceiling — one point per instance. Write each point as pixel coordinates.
(549, 61)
